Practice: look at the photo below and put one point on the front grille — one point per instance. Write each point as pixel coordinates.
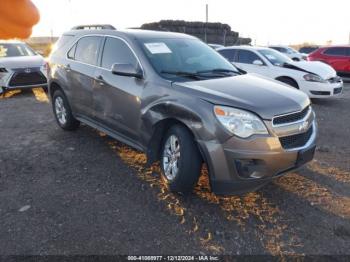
(21, 78)
(337, 90)
(290, 118)
(321, 93)
(295, 141)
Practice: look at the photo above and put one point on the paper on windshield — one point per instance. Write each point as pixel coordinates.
(158, 48)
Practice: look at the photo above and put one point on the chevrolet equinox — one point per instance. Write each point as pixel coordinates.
(173, 97)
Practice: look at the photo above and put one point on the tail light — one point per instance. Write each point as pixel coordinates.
(46, 68)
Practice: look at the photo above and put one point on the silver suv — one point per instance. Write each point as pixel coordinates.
(175, 98)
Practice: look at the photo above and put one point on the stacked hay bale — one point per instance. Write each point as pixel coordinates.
(214, 33)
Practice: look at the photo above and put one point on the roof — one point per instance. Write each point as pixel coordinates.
(136, 33)
(284, 46)
(245, 47)
(328, 46)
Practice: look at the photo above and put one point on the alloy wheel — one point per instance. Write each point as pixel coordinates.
(171, 157)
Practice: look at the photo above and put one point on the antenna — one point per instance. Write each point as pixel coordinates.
(206, 13)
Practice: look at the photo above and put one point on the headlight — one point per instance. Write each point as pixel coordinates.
(239, 122)
(3, 72)
(314, 78)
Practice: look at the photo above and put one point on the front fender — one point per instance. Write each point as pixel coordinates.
(198, 117)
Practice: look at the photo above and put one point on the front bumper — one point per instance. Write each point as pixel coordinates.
(321, 90)
(242, 165)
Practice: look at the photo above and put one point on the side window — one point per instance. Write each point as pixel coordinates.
(71, 53)
(348, 51)
(229, 54)
(87, 50)
(116, 51)
(336, 51)
(247, 57)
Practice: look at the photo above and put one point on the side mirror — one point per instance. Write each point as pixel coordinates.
(258, 62)
(126, 70)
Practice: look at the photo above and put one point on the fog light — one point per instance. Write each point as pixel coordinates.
(250, 168)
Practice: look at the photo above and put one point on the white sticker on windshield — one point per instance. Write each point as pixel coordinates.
(271, 57)
(158, 48)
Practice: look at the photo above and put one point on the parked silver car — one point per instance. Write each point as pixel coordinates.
(175, 98)
(21, 67)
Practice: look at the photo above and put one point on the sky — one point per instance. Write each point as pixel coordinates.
(265, 21)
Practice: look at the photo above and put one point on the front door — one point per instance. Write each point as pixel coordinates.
(117, 99)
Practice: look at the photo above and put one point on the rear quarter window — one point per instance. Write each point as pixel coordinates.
(229, 54)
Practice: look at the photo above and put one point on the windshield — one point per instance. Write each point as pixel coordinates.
(181, 58)
(13, 50)
(291, 50)
(274, 57)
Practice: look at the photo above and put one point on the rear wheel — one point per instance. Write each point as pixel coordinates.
(63, 112)
(180, 160)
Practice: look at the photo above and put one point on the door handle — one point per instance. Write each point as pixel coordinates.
(100, 80)
(67, 67)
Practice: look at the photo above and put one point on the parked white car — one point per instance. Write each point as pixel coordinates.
(290, 52)
(316, 79)
(21, 67)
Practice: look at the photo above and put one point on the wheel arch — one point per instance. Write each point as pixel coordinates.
(283, 77)
(161, 117)
(53, 86)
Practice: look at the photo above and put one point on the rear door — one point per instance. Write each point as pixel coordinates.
(81, 66)
(117, 99)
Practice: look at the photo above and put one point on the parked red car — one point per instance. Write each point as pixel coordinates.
(336, 56)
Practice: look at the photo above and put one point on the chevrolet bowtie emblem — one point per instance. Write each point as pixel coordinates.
(304, 126)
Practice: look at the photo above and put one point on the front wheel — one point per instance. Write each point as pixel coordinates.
(180, 160)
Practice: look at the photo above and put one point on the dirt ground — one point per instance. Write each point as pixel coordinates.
(82, 192)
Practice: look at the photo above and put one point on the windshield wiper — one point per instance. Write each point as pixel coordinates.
(218, 70)
(182, 73)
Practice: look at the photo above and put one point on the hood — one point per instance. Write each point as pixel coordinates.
(22, 61)
(321, 69)
(264, 97)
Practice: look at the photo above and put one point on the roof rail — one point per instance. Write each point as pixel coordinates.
(93, 27)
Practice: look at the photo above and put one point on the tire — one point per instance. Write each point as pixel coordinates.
(182, 175)
(288, 81)
(63, 112)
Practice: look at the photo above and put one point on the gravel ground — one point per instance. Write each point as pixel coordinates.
(82, 192)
